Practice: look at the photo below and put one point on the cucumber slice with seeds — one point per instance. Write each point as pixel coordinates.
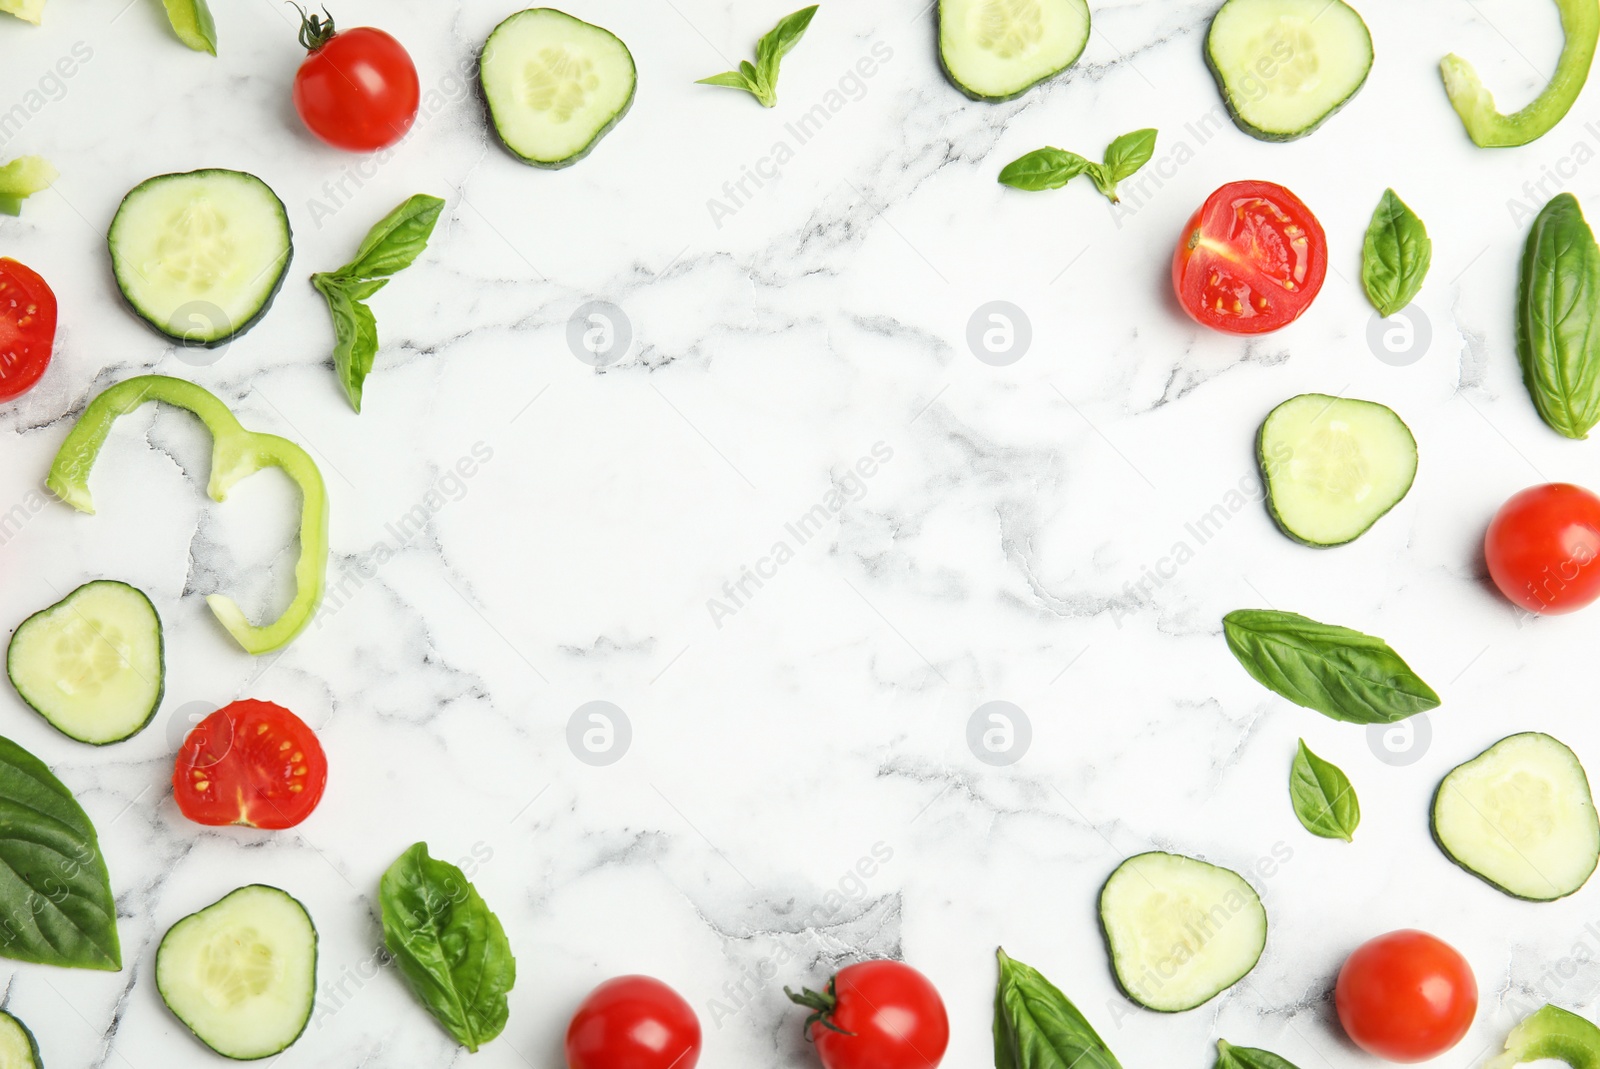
(242, 973)
(555, 85)
(1333, 466)
(995, 50)
(18, 1049)
(200, 256)
(1180, 931)
(1285, 66)
(1520, 817)
(92, 664)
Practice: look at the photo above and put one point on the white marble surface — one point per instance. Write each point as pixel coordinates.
(994, 556)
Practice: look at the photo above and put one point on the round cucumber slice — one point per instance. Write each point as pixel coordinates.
(999, 49)
(93, 664)
(200, 256)
(1333, 466)
(1285, 66)
(1180, 931)
(555, 85)
(1520, 817)
(18, 1050)
(242, 973)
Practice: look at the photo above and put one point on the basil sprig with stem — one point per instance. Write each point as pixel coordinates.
(1395, 255)
(1052, 168)
(1558, 318)
(1037, 1027)
(390, 246)
(760, 79)
(1232, 1057)
(1324, 800)
(1340, 673)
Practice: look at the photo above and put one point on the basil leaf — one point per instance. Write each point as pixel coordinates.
(1395, 255)
(1126, 155)
(448, 944)
(1045, 168)
(1037, 1027)
(56, 906)
(1558, 334)
(760, 79)
(1340, 673)
(396, 240)
(1324, 801)
(731, 79)
(1231, 1057)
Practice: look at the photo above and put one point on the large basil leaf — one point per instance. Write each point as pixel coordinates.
(448, 944)
(1558, 320)
(1395, 255)
(1232, 1057)
(1323, 798)
(1338, 672)
(54, 891)
(1037, 1027)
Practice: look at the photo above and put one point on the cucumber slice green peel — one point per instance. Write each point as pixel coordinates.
(235, 454)
(1488, 128)
(91, 664)
(18, 1049)
(1179, 931)
(191, 21)
(1551, 1033)
(1520, 817)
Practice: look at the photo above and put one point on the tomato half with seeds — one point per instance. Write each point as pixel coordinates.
(27, 328)
(250, 763)
(1251, 260)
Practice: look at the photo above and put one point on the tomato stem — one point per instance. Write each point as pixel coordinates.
(314, 31)
(822, 1003)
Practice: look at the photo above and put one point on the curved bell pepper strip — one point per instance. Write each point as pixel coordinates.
(235, 454)
(1580, 22)
(1551, 1033)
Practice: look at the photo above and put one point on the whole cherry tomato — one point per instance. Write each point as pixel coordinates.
(251, 763)
(357, 89)
(877, 1015)
(1542, 547)
(633, 1022)
(1406, 996)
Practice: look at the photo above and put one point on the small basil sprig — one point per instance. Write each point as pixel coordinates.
(448, 944)
(390, 246)
(1395, 255)
(1340, 673)
(760, 79)
(1232, 1057)
(1052, 168)
(1558, 318)
(1324, 801)
(1037, 1027)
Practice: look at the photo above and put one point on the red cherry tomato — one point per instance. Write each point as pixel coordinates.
(877, 1015)
(1542, 547)
(27, 328)
(1406, 996)
(357, 89)
(251, 763)
(633, 1022)
(1251, 260)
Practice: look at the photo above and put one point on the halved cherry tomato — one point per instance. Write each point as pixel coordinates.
(1543, 548)
(251, 763)
(633, 1022)
(1406, 996)
(27, 328)
(357, 89)
(877, 1015)
(1251, 259)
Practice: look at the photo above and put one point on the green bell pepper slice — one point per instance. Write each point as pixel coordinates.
(235, 454)
(1551, 1033)
(191, 21)
(21, 179)
(1580, 22)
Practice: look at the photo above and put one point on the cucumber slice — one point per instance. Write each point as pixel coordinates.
(242, 973)
(92, 664)
(999, 49)
(1285, 66)
(18, 1050)
(1520, 817)
(1333, 466)
(200, 256)
(555, 85)
(1180, 931)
